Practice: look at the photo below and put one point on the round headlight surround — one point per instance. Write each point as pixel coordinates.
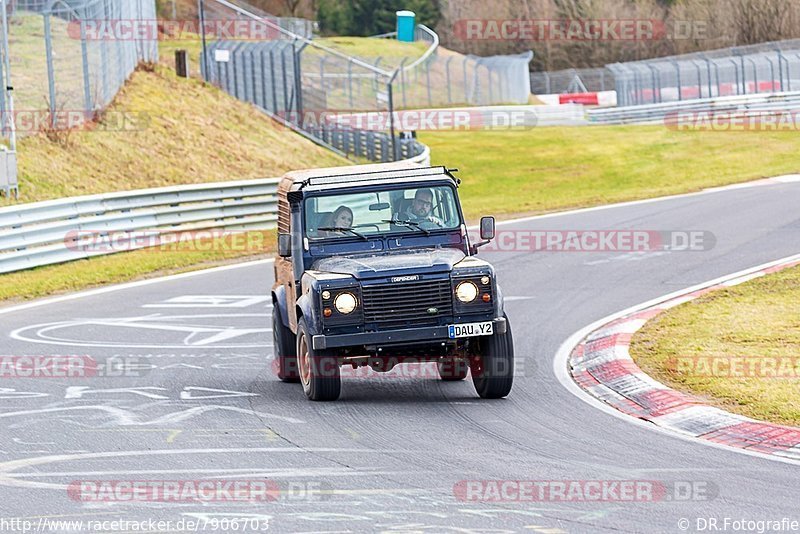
(466, 292)
(345, 303)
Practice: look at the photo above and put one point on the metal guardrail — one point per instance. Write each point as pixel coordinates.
(46, 233)
(63, 230)
(760, 68)
(571, 81)
(654, 113)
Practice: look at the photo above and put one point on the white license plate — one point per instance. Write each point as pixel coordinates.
(471, 329)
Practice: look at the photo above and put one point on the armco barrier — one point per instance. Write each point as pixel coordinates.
(32, 235)
(42, 233)
(655, 113)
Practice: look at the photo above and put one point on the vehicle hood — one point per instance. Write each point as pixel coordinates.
(417, 261)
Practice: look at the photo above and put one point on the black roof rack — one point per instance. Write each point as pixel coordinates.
(374, 175)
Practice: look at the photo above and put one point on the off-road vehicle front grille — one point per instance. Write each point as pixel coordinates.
(407, 303)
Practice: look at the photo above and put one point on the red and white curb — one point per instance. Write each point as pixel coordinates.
(602, 366)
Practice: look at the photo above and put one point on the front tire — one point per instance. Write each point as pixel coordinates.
(493, 369)
(284, 349)
(319, 370)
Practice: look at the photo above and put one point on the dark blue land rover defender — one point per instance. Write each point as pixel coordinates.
(376, 269)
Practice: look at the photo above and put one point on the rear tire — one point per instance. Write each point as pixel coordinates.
(284, 349)
(453, 370)
(319, 370)
(493, 369)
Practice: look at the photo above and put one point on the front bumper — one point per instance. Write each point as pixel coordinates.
(393, 337)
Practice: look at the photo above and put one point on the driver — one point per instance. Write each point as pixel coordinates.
(421, 209)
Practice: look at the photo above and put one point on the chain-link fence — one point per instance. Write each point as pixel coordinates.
(305, 82)
(572, 81)
(762, 68)
(301, 83)
(69, 58)
(444, 78)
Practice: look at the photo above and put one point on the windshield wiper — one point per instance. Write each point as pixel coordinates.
(407, 224)
(343, 229)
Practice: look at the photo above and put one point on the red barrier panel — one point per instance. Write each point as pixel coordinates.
(588, 99)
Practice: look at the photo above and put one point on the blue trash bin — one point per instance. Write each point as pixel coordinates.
(406, 24)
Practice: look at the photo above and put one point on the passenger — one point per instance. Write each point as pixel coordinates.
(341, 218)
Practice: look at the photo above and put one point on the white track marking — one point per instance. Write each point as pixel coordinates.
(9, 474)
(127, 418)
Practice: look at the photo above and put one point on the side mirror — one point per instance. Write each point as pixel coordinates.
(487, 228)
(285, 245)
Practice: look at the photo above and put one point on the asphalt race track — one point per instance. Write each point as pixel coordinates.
(388, 455)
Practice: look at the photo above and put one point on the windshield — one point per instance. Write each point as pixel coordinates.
(363, 215)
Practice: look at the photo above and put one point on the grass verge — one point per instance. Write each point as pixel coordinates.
(191, 133)
(739, 348)
(558, 168)
(189, 255)
(176, 132)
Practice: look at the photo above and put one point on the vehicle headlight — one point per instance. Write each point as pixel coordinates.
(345, 303)
(466, 292)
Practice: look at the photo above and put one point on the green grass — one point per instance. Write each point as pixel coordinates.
(195, 133)
(29, 64)
(758, 319)
(123, 267)
(187, 132)
(557, 168)
(391, 51)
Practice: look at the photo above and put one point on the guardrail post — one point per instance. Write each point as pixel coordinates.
(391, 114)
(298, 80)
(735, 73)
(201, 13)
(87, 94)
(403, 80)
(322, 73)
(708, 73)
(678, 77)
(350, 82)
(780, 67)
(428, 81)
(273, 80)
(384, 149)
(286, 105)
(51, 76)
(464, 68)
(755, 74)
(447, 75)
